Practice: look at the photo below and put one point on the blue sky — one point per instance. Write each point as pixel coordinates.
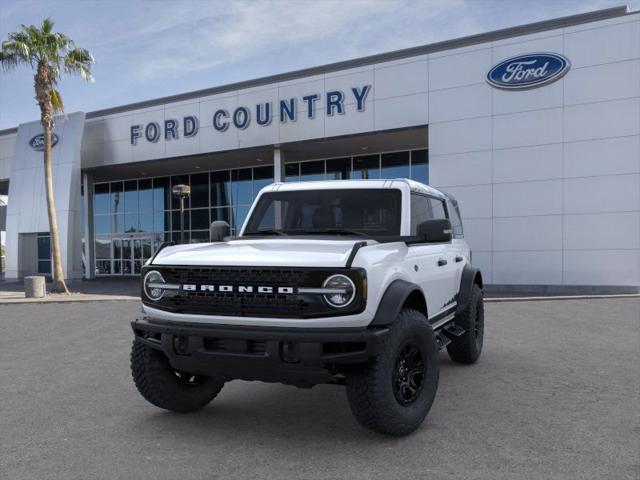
(149, 49)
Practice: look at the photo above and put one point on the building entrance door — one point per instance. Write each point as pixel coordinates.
(130, 253)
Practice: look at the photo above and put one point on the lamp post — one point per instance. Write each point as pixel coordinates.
(182, 192)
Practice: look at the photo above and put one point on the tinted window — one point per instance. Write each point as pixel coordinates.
(44, 247)
(241, 186)
(262, 177)
(456, 222)
(420, 211)
(101, 198)
(395, 165)
(145, 195)
(437, 208)
(131, 203)
(420, 166)
(200, 190)
(425, 208)
(366, 167)
(220, 189)
(200, 219)
(312, 171)
(292, 172)
(161, 194)
(374, 212)
(116, 197)
(339, 169)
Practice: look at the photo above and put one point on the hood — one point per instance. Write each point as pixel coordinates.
(271, 252)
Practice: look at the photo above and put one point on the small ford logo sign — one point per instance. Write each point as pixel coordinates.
(528, 71)
(37, 142)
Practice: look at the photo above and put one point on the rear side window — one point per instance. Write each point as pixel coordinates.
(456, 222)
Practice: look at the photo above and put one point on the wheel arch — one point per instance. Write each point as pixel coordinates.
(398, 295)
(470, 276)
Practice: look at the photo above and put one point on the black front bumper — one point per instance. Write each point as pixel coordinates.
(301, 357)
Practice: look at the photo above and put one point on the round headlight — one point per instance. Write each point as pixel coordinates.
(151, 287)
(345, 291)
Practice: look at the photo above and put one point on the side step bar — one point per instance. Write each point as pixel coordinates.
(446, 331)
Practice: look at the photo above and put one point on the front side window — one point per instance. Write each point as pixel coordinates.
(425, 208)
(438, 208)
(364, 212)
(420, 211)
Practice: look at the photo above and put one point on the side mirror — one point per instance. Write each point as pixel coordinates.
(219, 230)
(435, 231)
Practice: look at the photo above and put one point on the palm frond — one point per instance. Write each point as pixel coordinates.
(47, 26)
(16, 47)
(79, 61)
(9, 61)
(56, 101)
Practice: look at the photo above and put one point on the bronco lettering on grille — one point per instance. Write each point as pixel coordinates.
(191, 287)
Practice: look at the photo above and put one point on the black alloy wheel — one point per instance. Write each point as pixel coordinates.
(408, 374)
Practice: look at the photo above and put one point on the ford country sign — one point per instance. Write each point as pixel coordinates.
(37, 142)
(528, 71)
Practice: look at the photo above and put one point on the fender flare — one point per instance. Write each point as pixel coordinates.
(470, 276)
(392, 301)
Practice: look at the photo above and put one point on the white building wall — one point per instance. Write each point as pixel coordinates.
(548, 179)
(397, 99)
(27, 207)
(7, 152)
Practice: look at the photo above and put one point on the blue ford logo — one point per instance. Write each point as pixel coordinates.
(528, 71)
(37, 142)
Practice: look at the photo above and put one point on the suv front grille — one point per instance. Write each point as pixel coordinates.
(252, 304)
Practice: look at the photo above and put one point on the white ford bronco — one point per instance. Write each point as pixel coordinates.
(357, 283)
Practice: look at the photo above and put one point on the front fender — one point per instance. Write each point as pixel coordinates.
(392, 301)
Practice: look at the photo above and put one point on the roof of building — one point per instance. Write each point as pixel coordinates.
(510, 32)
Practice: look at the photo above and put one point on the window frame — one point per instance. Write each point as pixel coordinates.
(431, 197)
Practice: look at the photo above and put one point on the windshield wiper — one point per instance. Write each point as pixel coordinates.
(266, 231)
(337, 231)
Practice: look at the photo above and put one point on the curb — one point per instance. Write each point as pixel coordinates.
(22, 301)
(559, 297)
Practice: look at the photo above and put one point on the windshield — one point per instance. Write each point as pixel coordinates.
(371, 212)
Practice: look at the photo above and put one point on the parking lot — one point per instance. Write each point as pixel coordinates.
(555, 395)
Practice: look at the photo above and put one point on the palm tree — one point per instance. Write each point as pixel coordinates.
(50, 55)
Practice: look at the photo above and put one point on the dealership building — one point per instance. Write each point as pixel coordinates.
(535, 129)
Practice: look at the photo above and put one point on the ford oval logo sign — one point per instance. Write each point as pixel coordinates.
(528, 71)
(37, 142)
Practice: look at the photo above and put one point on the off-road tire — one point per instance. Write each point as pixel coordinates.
(468, 347)
(164, 387)
(370, 387)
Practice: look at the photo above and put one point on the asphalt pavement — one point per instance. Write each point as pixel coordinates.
(555, 395)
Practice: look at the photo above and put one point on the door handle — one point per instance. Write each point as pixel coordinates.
(442, 262)
(459, 259)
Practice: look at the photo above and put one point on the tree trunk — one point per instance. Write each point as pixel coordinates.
(59, 284)
(43, 86)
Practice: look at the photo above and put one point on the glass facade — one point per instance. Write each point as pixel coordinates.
(131, 218)
(44, 253)
(412, 164)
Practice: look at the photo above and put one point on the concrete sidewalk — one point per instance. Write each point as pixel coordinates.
(103, 289)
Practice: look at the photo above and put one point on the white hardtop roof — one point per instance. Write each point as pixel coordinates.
(398, 183)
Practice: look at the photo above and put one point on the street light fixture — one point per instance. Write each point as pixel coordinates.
(182, 192)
